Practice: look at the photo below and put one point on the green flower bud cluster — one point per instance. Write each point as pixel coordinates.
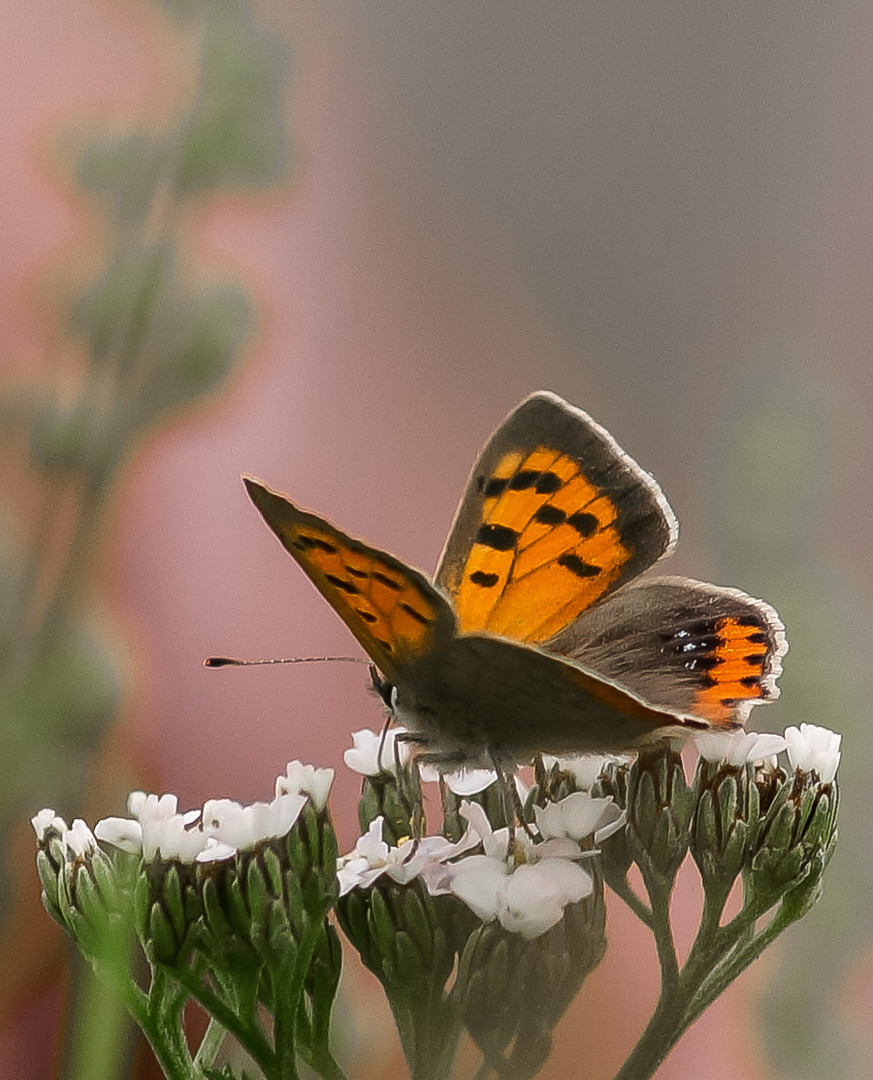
(395, 799)
(777, 830)
(167, 908)
(233, 928)
(406, 937)
(511, 992)
(86, 892)
(660, 808)
(793, 838)
(258, 906)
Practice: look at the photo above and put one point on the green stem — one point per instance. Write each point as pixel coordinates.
(622, 889)
(289, 998)
(735, 964)
(246, 1030)
(324, 1063)
(659, 895)
(662, 1032)
(210, 1044)
(166, 1002)
(718, 956)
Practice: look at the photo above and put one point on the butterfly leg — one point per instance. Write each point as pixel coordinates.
(510, 803)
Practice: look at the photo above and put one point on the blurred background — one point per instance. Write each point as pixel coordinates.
(332, 245)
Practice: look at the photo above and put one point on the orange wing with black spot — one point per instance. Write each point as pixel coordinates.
(393, 610)
(685, 646)
(555, 518)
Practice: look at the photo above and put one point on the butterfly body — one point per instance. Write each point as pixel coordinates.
(536, 634)
(484, 697)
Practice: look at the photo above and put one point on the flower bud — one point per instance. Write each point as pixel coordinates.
(727, 813)
(793, 843)
(659, 807)
(167, 907)
(512, 991)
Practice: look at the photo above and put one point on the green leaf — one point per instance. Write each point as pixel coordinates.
(234, 133)
(123, 172)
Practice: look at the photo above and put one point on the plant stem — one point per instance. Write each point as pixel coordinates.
(288, 998)
(622, 889)
(210, 1044)
(248, 1034)
(662, 1032)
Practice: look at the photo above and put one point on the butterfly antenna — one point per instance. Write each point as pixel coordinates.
(229, 661)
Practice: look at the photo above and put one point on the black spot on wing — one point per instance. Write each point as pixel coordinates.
(524, 479)
(498, 537)
(343, 585)
(578, 566)
(550, 515)
(492, 487)
(388, 582)
(487, 581)
(417, 615)
(548, 483)
(584, 523)
(317, 544)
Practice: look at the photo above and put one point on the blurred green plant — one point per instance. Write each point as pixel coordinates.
(774, 533)
(155, 333)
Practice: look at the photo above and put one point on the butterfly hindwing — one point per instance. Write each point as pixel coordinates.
(393, 610)
(517, 700)
(556, 517)
(683, 645)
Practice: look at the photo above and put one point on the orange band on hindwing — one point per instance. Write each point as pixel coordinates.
(736, 670)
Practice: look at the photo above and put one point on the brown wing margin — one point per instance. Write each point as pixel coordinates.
(393, 610)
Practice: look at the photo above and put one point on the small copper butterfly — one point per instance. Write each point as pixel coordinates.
(537, 633)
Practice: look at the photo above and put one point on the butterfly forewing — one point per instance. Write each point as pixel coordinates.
(393, 610)
(555, 518)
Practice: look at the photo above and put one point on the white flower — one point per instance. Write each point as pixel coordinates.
(307, 780)
(737, 747)
(527, 899)
(372, 857)
(373, 754)
(586, 768)
(151, 807)
(215, 851)
(580, 815)
(462, 782)
(536, 894)
(170, 838)
(78, 839)
(47, 819)
(155, 829)
(124, 833)
(811, 747)
(243, 827)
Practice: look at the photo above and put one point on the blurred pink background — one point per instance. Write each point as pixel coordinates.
(663, 214)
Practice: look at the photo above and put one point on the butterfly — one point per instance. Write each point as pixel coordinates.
(537, 633)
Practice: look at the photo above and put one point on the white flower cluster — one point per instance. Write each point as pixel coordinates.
(810, 748)
(156, 830)
(527, 892)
